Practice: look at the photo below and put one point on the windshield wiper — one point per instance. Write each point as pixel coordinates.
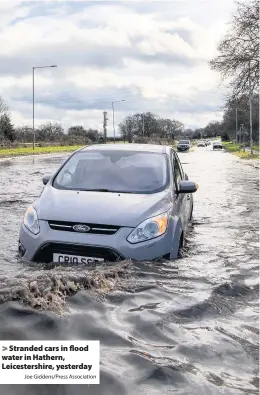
(103, 190)
(95, 190)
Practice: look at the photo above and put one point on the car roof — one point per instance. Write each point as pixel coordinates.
(153, 148)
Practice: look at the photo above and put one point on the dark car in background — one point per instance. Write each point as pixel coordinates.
(183, 145)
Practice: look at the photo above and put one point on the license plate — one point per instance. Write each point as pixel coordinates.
(75, 260)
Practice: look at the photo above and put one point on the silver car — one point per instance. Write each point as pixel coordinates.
(109, 203)
(217, 145)
(201, 144)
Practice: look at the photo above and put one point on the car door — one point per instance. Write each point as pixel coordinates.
(182, 198)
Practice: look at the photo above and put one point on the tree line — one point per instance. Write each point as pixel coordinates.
(234, 115)
(139, 128)
(50, 132)
(143, 126)
(146, 125)
(237, 62)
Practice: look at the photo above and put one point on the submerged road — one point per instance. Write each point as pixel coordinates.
(184, 327)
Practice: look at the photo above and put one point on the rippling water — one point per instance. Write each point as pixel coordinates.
(188, 326)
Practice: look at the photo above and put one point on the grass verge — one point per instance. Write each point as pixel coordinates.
(237, 149)
(6, 152)
(25, 151)
(246, 155)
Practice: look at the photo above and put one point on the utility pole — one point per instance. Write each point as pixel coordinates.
(113, 109)
(250, 113)
(105, 126)
(243, 136)
(33, 110)
(243, 133)
(114, 122)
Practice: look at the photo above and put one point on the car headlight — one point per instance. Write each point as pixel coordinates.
(149, 229)
(31, 220)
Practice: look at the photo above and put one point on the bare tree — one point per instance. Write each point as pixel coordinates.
(239, 50)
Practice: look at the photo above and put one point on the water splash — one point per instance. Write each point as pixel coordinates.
(48, 289)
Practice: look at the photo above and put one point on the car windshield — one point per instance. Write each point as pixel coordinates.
(114, 171)
(184, 142)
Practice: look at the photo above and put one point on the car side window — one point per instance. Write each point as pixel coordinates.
(180, 167)
(177, 172)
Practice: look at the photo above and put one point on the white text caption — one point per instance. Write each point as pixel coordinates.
(49, 362)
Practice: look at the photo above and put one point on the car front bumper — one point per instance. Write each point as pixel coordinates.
(183, 148)
(40, 248)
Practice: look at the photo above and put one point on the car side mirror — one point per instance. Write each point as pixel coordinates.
(46, 179)
(187, 187)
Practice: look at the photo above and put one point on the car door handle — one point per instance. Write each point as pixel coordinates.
(188, 197)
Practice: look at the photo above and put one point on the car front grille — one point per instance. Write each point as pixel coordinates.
(93, 228)
(45, 253)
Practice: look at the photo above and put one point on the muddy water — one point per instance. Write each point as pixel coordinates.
(188, 326)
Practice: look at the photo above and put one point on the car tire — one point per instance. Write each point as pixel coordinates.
(191, 213)
(181, 243)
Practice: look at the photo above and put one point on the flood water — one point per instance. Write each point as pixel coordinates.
(184, 327)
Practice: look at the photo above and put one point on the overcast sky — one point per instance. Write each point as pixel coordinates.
(152, 54)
